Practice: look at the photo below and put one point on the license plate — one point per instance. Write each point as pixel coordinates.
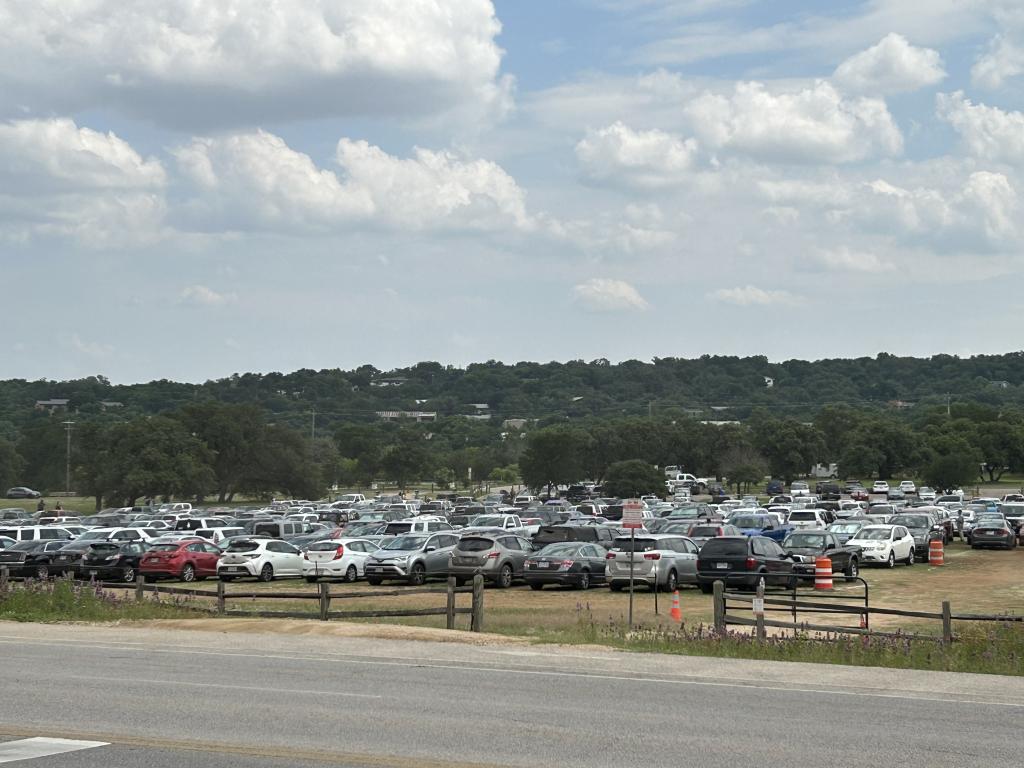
(722, 566)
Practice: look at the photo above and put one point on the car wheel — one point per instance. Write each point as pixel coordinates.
(892, 559)
(672, 582)
(417, 575)
(504, 577)
(188, 573)
(910, 557)
(311, 579)
(42, 571)
(707, 589)
(374, 581)
(584, 580)
(267, 572)
(852, 570)
(536, 586)
(761, 583)
(615, 587)
(352, 574)
(129, 575)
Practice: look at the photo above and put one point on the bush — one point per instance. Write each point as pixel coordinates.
(66, 600)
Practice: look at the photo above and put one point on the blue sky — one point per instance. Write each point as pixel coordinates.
(189, 191)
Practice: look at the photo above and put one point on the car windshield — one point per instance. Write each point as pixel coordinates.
(912, 521)
(559, 550)
(25, 546)
(844, 527)
(243, 546)
(874, 534)
(394, 529)
(991, 522)
(93, 536)
(489, 521)
(406, 542)
(165, 548)
(748, 522)
(805, 540)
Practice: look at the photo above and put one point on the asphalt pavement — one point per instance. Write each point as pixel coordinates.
(179, 698)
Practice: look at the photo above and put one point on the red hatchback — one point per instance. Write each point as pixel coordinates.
(185, 560)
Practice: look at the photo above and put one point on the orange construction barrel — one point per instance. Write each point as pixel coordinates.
(935, 552)
(823, 573)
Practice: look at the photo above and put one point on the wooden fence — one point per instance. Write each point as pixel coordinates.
(791, 603)
(324, 596)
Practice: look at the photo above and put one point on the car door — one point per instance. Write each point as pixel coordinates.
(906, 543)
(775, 559)
(688, 561)
(438, 549)
(833, 551)
(516, 553)
(206, 559)
(357, 552)
(594, 558)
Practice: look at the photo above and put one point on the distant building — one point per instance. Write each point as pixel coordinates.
(769, 382)
(480, 406)
(417, 416)
(52, 405)
(477, 416)
(515, 423)
(108, 404)
(900, 404)
(393, 381)
(1001, 384)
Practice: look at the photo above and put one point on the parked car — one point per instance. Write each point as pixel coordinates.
(264, 559)
(923, 527)
(844, 530)
(701, 533)
(809, 518)
(924, 493)
(993, 533)
(573, 563)
(186, 560)
(553, 534)
(860, 494)
(343, 558)
(32, 532)
(806, 547)
(29, 558)
(760, 524)
(744, 561)
(799, 488)
(112, 560)
(413, 558)
(22, 492)
(657, 561)
(908, 487)
(774, 488)
(498, 557)
(884, 544)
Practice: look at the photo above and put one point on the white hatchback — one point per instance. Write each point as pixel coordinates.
(337, 559)
(264, 559)
(884, 544)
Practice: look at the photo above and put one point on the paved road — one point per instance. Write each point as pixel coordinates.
(205, 698)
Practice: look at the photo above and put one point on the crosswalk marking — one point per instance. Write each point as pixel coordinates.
(29, 749)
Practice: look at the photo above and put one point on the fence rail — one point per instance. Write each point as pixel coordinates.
(324, 597)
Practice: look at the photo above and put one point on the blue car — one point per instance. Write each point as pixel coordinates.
(761, 525)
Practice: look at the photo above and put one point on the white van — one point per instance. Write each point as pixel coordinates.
(36, 533)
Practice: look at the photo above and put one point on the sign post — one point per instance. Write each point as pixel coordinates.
(632, 518)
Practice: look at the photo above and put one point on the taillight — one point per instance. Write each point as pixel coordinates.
(751, 563)
(652, 555)
(610, 556)
(567, 563)
(493, 555)
(340, 553)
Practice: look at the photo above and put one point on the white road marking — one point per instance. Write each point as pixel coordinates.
(30, 749)
(432, 664)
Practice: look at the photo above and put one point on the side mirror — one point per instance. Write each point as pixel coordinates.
(431, 548)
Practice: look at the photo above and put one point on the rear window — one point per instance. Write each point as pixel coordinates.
(243, 546)
(475, 544)
(748, 522)
(323, 546)
(394, 529)
(727, 547)
(704, 530)
(164, 548)
(639, 545)
(801, 516)
(105, 547)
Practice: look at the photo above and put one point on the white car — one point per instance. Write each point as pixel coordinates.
(799, 488)
(880, 486)
(907, 486)
(811, 519)
(264, 559)
(119, 534)
(337, 559)
(925, 493)
(884, 544)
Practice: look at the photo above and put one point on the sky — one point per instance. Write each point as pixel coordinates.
(189, 190)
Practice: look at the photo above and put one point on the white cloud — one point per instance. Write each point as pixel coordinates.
(202, 296)
(848, 260)
(92, 349)
(57, 179)
(255, 180)
(891, 66)
(1003, 60)
(241, 61)
(639, 158)
(814, 124)
(606, 295)
(988, 132)
(750, 295)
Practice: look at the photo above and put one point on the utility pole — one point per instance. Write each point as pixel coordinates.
(312, 431)
(67, 457)
(948, 412)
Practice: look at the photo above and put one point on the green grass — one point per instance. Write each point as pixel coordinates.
(65, 600)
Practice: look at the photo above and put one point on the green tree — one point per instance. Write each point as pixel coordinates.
(234, 435)
(407, 458)
(744, 467)
(11, 465)
(553, 456)
(632, 478)
(952, 471)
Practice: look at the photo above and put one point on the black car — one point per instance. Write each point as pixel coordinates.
(567, 564)
(744, 561)
(808, 546)
(557, 534)
(21, 492)
(30, 558)
(924, 528)
(67, 558)
(993, 532)
(775, 487)
(828, 491)
(109, 560)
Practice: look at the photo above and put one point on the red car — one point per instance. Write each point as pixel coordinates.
(860, 494)
(185, 560)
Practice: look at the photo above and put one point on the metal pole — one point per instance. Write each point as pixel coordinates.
(67, 458)
(632, 554)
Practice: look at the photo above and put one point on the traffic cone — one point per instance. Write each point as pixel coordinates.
(863, 621)
(676, 613)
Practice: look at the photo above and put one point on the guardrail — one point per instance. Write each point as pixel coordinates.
(793, 604)
(324, 597)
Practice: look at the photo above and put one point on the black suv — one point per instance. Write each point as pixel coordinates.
(744, 561)
(828, 491)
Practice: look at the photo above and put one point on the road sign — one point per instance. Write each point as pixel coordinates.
(632, 514)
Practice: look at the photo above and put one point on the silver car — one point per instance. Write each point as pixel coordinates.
(498, 557)
(413, 558)
(657, 561)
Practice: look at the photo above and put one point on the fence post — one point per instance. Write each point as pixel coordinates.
(477, 621)
(759, 630)
(719, 602)
(325, 600)
(140, 581)
(451, 603)
(220, 597)
(947, 623)
(3, 578)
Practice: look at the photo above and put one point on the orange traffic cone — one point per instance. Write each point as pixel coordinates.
(676, 613)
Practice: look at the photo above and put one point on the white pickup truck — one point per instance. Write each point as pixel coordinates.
(507, 522)
(686, 480)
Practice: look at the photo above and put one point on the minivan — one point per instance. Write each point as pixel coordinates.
(656, 561)
(278, 529)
